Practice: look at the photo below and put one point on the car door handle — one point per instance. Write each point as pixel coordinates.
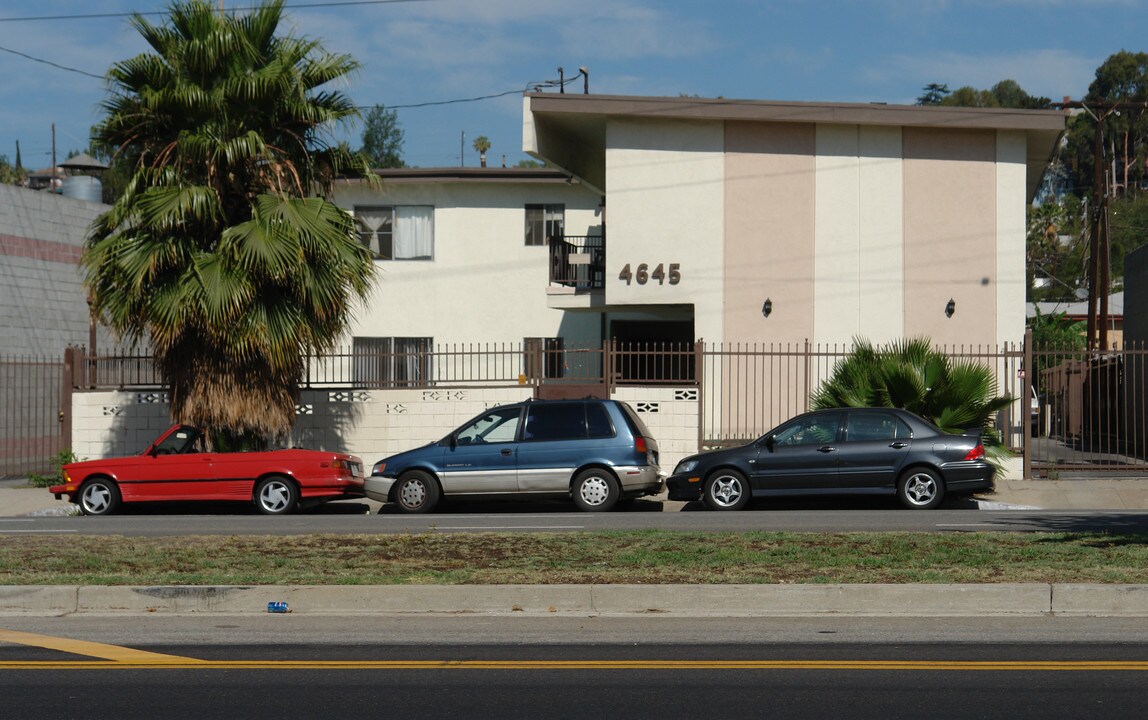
(506, 452)
(826, 449)
(898, 445)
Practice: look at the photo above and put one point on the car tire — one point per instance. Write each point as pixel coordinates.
(416, 492)
(920, 489)
(595, 490)
(276, 495)
(726, 490)
(99, 497)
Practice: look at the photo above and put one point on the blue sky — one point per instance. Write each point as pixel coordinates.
(415, 52)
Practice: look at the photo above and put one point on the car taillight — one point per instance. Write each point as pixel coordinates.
(976, 453)
(640, 445)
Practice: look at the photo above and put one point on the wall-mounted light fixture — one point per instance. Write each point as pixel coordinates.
(950, 308)
(767, 307)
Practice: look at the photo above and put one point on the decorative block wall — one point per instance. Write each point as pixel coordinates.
(369, 423)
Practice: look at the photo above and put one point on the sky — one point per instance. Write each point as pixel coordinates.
(455, 69)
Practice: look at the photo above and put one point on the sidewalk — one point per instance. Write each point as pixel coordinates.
(693, 601)
(18, 499)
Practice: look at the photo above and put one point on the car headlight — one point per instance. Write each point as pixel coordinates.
(686, 466)
(378, 468)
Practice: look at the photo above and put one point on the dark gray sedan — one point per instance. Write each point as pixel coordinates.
(835, 452)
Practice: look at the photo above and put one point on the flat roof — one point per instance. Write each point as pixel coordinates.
(472, 174)
(788, 111)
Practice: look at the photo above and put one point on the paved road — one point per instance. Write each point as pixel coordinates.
(640, 673)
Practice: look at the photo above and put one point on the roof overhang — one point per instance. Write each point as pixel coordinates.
(570, 130)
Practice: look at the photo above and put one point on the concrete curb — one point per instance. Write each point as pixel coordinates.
(971, 600)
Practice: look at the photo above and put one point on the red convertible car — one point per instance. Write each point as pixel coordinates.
(177, 466)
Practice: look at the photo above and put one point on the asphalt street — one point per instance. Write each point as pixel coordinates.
(50, 677)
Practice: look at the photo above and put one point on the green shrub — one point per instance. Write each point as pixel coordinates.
(57, 477)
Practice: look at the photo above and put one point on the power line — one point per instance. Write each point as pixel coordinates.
(100, 16)
(529, 86)
(446, 102)
(53, 64)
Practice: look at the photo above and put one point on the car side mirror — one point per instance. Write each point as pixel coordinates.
(452, 441)
(769, 442)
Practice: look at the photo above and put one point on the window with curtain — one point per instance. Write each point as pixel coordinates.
(401, 232)
(391, 361)
(544, 221)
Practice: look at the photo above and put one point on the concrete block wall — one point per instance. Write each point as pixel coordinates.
(671, 414)
(369, 423)
(376, 423)
(115, 423)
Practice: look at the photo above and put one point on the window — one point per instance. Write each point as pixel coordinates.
(391, 362)
(544, 221)
(402, 232)
(184, 440)
(867, 426)
(558, 421)
(497, 426)
(598, 421)
(544, 358)
(814, 430)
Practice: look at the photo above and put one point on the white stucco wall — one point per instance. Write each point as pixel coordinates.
(484, 285)
(859, 240)
(665, 182)
(1011, 236)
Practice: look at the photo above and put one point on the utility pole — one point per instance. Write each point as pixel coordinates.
(1098, 242)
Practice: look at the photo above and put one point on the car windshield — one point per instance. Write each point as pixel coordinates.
(183, 440)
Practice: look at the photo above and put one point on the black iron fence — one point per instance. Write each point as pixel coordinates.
(578, 261)
(31, 414)
(1090, 411)
(1088, 416)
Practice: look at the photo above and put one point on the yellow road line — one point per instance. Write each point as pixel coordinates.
(174, 662)
(117, 657)
(115, 653)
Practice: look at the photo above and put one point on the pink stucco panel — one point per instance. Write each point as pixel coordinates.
(770, 193)
(950, 235)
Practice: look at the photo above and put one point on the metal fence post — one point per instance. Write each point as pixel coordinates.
(67, 385)
(1026, 407)
(700, 372)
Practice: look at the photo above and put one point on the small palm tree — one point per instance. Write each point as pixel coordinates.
(954, 395)
(481, 145)
(218, 252)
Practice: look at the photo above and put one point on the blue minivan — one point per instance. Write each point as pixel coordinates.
(594, 451)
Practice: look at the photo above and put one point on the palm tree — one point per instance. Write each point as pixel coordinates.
(218, 252)
(481, 145)
(954, 395)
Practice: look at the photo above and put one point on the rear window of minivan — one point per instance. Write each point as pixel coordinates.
(636, 424)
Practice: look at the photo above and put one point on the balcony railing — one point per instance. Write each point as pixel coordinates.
(578, 261)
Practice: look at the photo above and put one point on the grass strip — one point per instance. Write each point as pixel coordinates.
(641, 557)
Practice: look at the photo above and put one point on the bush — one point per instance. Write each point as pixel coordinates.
(56, 478)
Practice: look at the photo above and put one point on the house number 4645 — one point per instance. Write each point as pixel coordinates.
(663, 273)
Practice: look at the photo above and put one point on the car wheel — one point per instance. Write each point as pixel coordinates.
(99, 497)
(920, 489)
(727, 490)
(416, 492)
(276, 496)
(595, 490)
